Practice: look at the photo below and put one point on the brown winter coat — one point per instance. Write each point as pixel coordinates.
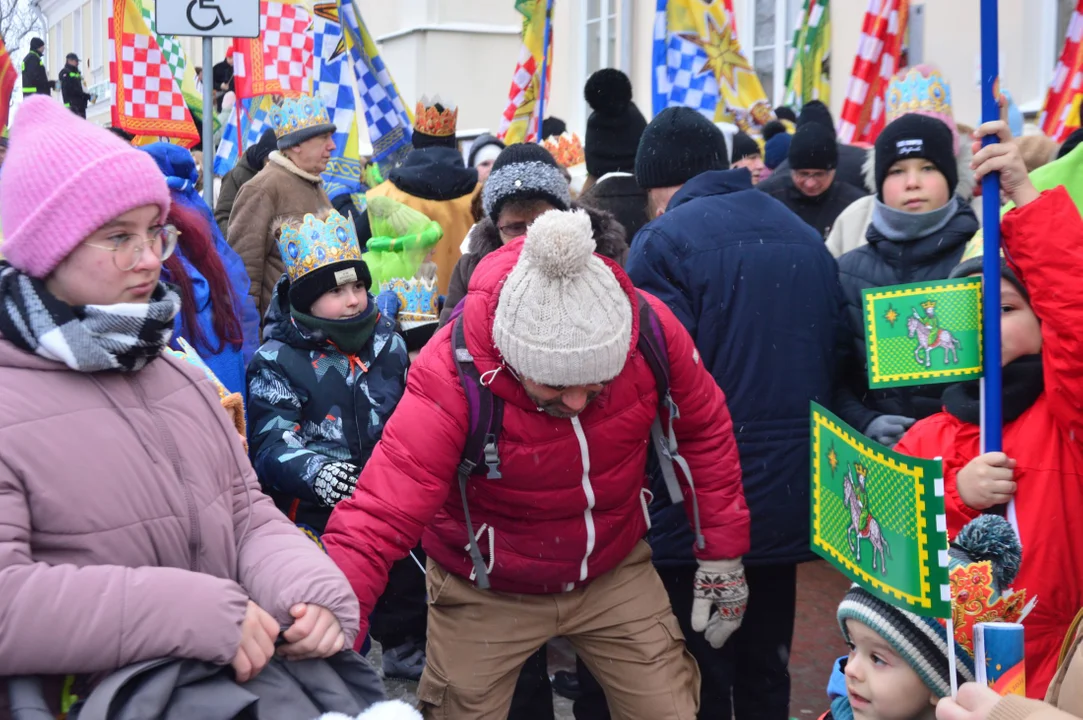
(609, 240)
(133, 526)
(281, 189)
(241, 173)
(1063, 700)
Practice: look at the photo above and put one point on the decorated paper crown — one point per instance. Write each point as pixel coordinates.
(435, 118)
(317, 243)
(566, 149)
(294, 114)
(922, 90)
(419, 297)
(929, 304)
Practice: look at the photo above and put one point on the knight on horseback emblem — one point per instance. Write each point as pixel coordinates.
(926, 328)
(863, 526)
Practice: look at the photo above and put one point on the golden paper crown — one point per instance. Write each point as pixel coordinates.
(861, 469)
(929, 304)
(566, 149)
(432, 120)
(317, 243)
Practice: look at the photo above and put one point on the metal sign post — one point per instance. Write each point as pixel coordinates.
(208, 19)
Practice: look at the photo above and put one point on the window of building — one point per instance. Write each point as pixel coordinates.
(97, 36)
(77, 33)
(772, 36)
(601, 34)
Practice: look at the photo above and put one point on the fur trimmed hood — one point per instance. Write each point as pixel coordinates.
(609, 235)
(964, 189)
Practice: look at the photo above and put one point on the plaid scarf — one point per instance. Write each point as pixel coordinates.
(87, 338)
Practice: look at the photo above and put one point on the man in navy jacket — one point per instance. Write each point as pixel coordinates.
(759, 293)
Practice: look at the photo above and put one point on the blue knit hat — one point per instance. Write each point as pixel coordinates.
(982, 562)
(776, 150)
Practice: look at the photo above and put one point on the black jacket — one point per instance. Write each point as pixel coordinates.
(622, 196)
(887, 262)
(820, 212)
(759, 293)
(851, 161)
(71, 89)
(35, 80)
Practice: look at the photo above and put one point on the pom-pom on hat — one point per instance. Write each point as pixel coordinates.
(55, 195)
(563, 318)
(615, 125)
(982, 562)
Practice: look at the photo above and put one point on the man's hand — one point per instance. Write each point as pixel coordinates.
(315, 633)
(258, 634)
(888, 429)
(974, 703)
(719, 584)
(1003, 157)
(987, 481)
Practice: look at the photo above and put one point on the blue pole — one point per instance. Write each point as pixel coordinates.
(992, 416)
(545, 65)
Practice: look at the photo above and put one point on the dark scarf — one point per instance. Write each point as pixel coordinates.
(87, 338)
(349, 336)
(1023, 383)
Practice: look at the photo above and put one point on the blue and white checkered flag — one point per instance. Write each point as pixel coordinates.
(253, 123)
(389, 124)
(332, 85)
(675, 63)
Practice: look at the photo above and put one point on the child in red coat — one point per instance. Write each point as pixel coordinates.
(1042, 356)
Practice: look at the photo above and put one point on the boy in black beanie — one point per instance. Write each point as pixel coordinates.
(810, 188)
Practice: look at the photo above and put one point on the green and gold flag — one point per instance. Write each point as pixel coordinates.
(878, 516)
(923, 333)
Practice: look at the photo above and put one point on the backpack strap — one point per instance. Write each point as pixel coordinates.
(485, 414)
(651, 343)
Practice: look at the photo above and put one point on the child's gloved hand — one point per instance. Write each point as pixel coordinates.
(335, 482)
(987, 481)
(973, 703)
(888, 429)
(388, 304)
(1003, 157)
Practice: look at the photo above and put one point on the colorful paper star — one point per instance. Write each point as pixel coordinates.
(723, 53)
(891, 315)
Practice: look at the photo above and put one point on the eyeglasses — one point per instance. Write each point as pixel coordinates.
(513, 230)
(811, 174)
(127, 248)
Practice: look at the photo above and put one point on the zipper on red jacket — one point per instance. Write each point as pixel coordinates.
(173, 454)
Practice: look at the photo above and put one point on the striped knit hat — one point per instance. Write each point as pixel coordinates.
(983, 561)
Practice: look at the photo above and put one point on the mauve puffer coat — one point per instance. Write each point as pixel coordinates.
(131, 523)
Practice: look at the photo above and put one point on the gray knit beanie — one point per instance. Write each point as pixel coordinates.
(563, 318)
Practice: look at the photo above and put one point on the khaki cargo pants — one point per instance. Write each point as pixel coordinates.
(621, 625)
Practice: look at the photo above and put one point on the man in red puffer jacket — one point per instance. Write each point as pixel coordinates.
(552, 329)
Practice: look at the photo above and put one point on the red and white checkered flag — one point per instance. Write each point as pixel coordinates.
(877, 61)
(1060, 114)
(146, 98)
(279, 62)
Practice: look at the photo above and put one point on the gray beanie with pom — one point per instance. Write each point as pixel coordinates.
(563, 318)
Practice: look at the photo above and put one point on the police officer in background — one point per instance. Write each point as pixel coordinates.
(71, 87)
(35, 81)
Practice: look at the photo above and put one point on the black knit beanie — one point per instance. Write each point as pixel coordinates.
(785, 112)
(743, 146)
(37, 44)
(553, 126)
(775, 127)
(524, 171)
(308, 288)
(678, 144)
(916, 136)
(813, 147)
(818, 113)
(615, 126)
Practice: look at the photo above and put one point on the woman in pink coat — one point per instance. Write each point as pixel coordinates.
(131, 524)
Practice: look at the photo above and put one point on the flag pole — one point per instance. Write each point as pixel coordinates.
(545, 65)
(991, 416)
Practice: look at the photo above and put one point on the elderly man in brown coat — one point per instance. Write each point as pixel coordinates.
(289, 185)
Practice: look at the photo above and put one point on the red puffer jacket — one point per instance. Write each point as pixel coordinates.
(571, 503)
(1045, 243)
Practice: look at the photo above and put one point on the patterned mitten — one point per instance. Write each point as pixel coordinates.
(719, 584)
(335, 482)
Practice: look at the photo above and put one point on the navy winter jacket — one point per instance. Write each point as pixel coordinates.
(759, 293)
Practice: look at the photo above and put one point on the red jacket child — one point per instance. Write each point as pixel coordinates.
(1043, 414)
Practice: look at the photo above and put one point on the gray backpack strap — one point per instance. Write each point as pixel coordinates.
(26, 699)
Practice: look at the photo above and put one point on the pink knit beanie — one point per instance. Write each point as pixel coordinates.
(63, 179)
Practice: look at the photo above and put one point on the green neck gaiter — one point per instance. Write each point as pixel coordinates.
(349, 336)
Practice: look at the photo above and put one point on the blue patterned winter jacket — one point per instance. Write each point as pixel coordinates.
(308, 405)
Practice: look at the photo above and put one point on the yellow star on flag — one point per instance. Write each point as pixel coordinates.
(329, 12)
(724, 56)
(833, 459)
(891, 315)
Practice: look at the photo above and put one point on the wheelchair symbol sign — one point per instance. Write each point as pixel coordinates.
(208, 18)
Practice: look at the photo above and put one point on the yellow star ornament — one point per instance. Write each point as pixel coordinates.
(724, 56)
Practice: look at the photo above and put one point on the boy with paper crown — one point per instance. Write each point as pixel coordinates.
(1035, 481)
(898, 666)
